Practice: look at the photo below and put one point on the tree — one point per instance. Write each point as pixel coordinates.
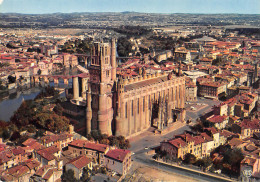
(24, 114)
(39, 133)
(104, 141)
(86, 175)
(198, 127)
(47, 92)
(58, 109)
(39, 72)
(51, 122)
(96, 135)
(16, 135)
(68, 176)
(218, 61)
(11, 79)
(113, 141)
(124, 47)
(6, 134)
(233, 157)
(123, 143)
(189, 158)
(4, 65)
(205, 162)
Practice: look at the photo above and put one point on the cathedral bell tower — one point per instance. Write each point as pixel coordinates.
(102, 72)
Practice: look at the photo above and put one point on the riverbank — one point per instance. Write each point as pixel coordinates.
(11, 101)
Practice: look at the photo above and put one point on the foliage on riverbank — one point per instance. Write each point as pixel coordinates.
(47, 92)
(35, 115)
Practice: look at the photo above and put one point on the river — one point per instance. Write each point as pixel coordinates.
(10, 103)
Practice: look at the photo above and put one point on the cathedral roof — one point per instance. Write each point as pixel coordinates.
(145, 83)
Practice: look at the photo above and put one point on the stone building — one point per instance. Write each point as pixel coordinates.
(128, 105)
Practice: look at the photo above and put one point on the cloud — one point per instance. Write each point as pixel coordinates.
(1, 1)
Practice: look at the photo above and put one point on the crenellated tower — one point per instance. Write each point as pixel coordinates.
(102, 70)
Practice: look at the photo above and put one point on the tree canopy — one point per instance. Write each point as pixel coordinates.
(124, 47)
(68, 176)
(11, 79)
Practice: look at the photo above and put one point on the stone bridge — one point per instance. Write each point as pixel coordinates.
(48, 78)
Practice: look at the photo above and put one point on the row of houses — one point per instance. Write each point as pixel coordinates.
(230, 111)
(200, 145)
(46, 158)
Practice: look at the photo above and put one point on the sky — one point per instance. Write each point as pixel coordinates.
(147, 6)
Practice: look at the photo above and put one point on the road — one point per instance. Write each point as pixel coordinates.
(141, 157)
(150, 140)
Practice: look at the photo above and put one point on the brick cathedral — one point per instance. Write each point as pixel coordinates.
(127, 105)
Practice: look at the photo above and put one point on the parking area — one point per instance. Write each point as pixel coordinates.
(196, 109)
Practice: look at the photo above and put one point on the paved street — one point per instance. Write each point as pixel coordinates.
(147, 140)
(141, 157)
(193, 115)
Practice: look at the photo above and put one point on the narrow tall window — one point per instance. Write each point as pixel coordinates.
(126, 109)
(143, 103)
(132, 107)
(138, 106)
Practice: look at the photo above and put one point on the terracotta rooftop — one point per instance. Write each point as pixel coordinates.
(118, 154)
(40, 172)
(206, 137)
(49, 174)
(29, 142)
(18, 150)
(80, 162)
(217, 119)
(226, 133)
(18, 171)
(178, 143)
(252, 124)
(198, 140)
(89, 145)
(47, 153)
(249, 161)
(32, 163)
(211, 130)
(236, 142)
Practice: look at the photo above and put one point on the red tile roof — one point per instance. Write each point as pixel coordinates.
(226, 133)
(47, 153)
(178, 143)
(29, 142)
(212, 130)
(252, 124)
(18, 171)
(248, 161)
(32, 163)
(217, 119)
(49, 174)
(88, 145)
(40, 172)
(198, 140)
(206, 137)
(118, 154)
(18, 150)
(80, 162)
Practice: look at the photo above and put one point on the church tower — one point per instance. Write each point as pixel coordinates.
(102, 72)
